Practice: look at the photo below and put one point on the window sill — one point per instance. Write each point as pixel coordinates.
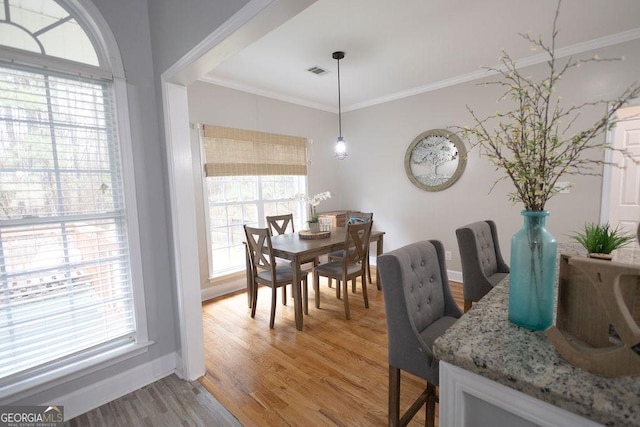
(35, 380)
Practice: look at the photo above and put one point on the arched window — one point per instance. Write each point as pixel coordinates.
(70, 287)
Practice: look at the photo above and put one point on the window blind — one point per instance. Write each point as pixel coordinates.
(64, 257)
(235, 152)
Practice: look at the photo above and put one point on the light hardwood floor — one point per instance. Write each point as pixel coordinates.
(334, 372)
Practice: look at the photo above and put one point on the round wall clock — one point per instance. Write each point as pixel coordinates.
(435, 160)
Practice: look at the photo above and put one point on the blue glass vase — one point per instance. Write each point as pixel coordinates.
(532, 273)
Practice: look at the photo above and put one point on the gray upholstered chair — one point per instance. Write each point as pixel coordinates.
(419, 308)
(482, 264)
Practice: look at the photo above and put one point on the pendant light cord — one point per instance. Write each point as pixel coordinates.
(339, 104)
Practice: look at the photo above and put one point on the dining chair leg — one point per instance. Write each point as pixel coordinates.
(430, 417)
(254, 299)
(467, 305)
(353, 286)
(330, 280)
(305, 295)
(250, 287)
(284, 295)
(338, 289)
(273, 307)
(316, 288)
(345, 297)
(364, 291)
(394, 396)
(249, 271)
(369, 271)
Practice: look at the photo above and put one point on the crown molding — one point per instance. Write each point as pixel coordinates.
(269, 94)
(574, 49)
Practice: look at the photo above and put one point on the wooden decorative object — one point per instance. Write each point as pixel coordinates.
(306, 234)
(598, 316)
(338, 218)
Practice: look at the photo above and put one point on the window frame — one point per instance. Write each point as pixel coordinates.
(111, 68)
(260, 205)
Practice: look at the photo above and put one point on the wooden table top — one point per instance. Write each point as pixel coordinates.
(291, 245)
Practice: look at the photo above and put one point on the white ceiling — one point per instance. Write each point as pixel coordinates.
(397, 48)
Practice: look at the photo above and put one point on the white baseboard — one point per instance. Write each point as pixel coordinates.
(219, 290)
(224, 289)
(85, 399)
(455, 276)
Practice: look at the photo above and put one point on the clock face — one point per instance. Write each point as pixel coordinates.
(435, 160)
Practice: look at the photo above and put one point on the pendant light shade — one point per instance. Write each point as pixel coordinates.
(341, 146)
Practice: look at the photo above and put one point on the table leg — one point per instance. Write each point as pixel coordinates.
(379, 251)
(297, 298)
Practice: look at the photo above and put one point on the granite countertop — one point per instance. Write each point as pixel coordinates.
(484, 342)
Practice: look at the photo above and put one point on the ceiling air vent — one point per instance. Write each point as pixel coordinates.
(317, 70)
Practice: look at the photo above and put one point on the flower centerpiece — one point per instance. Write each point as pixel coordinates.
(532, 142)
(313, 202)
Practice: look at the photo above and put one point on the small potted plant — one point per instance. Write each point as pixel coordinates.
(601, 240)
(314, 224)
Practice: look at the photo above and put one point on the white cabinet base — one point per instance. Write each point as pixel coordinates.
(468, 400)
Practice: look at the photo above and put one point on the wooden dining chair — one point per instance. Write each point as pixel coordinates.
(278, 224)
(350, 267)
(353, 217)
(265, 271)
(283, 224)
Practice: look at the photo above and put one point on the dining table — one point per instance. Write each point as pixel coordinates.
(300, 250)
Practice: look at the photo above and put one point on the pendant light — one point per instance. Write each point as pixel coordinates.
(341, 146)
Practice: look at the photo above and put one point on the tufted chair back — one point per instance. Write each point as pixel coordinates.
(422, 284)
(419, 308)
(482, 263)
(485, 248)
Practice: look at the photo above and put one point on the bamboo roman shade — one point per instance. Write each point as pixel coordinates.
(234, 152)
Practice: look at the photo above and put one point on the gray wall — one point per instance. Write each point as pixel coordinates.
(178, 26)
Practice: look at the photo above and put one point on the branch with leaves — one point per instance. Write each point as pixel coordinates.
(532, 143)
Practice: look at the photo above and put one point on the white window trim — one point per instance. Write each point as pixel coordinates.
(259, 202)
(99, 31)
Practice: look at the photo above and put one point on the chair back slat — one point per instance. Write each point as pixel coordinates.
(278, 224)
(259, 244)
(357, 240)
